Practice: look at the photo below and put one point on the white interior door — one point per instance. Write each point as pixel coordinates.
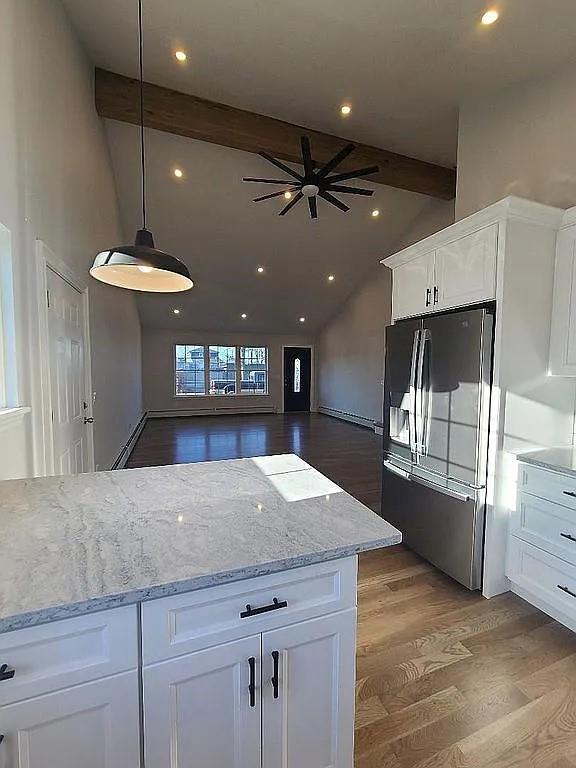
(200, 711)
(67, 356)
(310, 723)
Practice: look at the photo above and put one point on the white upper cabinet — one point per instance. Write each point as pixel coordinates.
(465, 270)
(412, 286)
(563, 329)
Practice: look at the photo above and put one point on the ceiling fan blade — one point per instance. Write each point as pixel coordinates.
(269, 181)
(354, 174)
(291, 204)
(280, 165)
(307, 156)
(313, 207)
(274, 194)
(350, 190)
(336, 160)
(334, 200)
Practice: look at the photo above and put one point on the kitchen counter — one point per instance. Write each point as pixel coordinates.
(557, 459)
(87, 542)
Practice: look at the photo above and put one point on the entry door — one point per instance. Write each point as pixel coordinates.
(69, 400)
(297, 369)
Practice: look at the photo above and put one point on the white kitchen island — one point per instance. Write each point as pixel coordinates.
(199, 616)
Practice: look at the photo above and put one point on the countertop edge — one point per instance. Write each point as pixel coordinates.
(525, 458)
(132, 597)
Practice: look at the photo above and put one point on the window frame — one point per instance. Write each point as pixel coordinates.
(238, 371)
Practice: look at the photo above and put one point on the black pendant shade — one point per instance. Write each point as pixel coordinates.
(141, 267)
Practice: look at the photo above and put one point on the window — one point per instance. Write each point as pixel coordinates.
(190, 379)
(222, 370)
(253, 370)
(202, 369)
(297, 375)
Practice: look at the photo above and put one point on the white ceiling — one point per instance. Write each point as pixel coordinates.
(404, 65)
(209, 221)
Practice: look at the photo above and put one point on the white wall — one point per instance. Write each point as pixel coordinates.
(56, 185)
(519, 141)
(158, 370)
(351, 345)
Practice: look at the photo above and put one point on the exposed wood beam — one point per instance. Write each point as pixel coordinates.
(195, 118)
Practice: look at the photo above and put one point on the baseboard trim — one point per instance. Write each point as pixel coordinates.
(211, 411)
(345, 416)
(124, 454)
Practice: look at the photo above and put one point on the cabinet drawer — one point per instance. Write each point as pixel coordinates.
(544, 524)
(550, 580)
(68, 652)
(551, 486)
(172, 626)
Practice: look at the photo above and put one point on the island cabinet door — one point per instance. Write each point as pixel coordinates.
(308, 673)
(94, 725)
(203, 710)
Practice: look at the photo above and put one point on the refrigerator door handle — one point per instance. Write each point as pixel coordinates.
(421, 397)
(396, 470)
(412, 424)
(441, 488)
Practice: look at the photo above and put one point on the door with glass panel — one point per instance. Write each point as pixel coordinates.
(297, 370)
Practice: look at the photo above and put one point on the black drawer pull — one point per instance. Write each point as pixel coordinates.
(252, 683)
(275, 605)
(1, 738)
(275, 679)
(569, 493)
(428, 297)
(5, 673)
(568, 536)
(565, 589)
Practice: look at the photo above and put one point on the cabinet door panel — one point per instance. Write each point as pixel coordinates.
(197, 709)
(95, 725)
(311, 723)
(563, 332)
(412, 287)
(466, 269)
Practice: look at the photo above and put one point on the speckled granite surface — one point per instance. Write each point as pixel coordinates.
(88, 542)
(557, 459)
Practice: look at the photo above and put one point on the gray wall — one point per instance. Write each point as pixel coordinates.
(158, 370)
(351, 345)
(519, 141)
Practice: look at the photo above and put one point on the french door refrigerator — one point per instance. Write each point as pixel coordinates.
(436, 417)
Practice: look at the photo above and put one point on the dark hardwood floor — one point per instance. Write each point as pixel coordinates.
(346, 453)
(445, 679)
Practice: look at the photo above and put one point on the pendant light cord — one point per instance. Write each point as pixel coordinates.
(142, 147)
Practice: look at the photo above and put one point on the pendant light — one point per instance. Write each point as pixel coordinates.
(141, 267)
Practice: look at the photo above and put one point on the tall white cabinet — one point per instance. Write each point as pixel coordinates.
(563, 333)
(504, 254)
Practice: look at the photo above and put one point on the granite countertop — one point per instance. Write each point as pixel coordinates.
(557, 459)
(87, 542)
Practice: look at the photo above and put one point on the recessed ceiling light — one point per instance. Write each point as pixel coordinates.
(375, 213)
(176, 311)
(243, 315)
(260, 270)
(302, 319)
(178, 172)
(288, 195)
(330, 278)
(181, 56)
(345, 110)
(490, 17)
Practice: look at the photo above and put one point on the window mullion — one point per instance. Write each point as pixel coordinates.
(238, 371)
(206, 369)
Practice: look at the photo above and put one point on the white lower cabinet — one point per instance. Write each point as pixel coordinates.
(94, 725)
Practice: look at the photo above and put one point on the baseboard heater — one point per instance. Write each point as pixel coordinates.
(122, 457)
(346, 416)
(211, 411)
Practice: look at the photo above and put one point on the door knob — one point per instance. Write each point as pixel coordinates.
(88, 420)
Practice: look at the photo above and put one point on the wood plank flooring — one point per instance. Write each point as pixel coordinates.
(445, 679)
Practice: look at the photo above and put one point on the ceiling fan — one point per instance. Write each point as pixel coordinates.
(315, 182)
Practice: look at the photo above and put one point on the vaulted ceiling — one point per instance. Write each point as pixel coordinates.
(403, 66)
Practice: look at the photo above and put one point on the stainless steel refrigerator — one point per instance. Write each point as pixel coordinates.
(436, 432)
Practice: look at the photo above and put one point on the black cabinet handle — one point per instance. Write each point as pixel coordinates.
(569, 493)
(275, 679)
(274, 606)
(435, 294)
(1, 738)
(568, 536)
(428, 296)
(5, 673)
(565, 589)
(252, 683)
(88, 420)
